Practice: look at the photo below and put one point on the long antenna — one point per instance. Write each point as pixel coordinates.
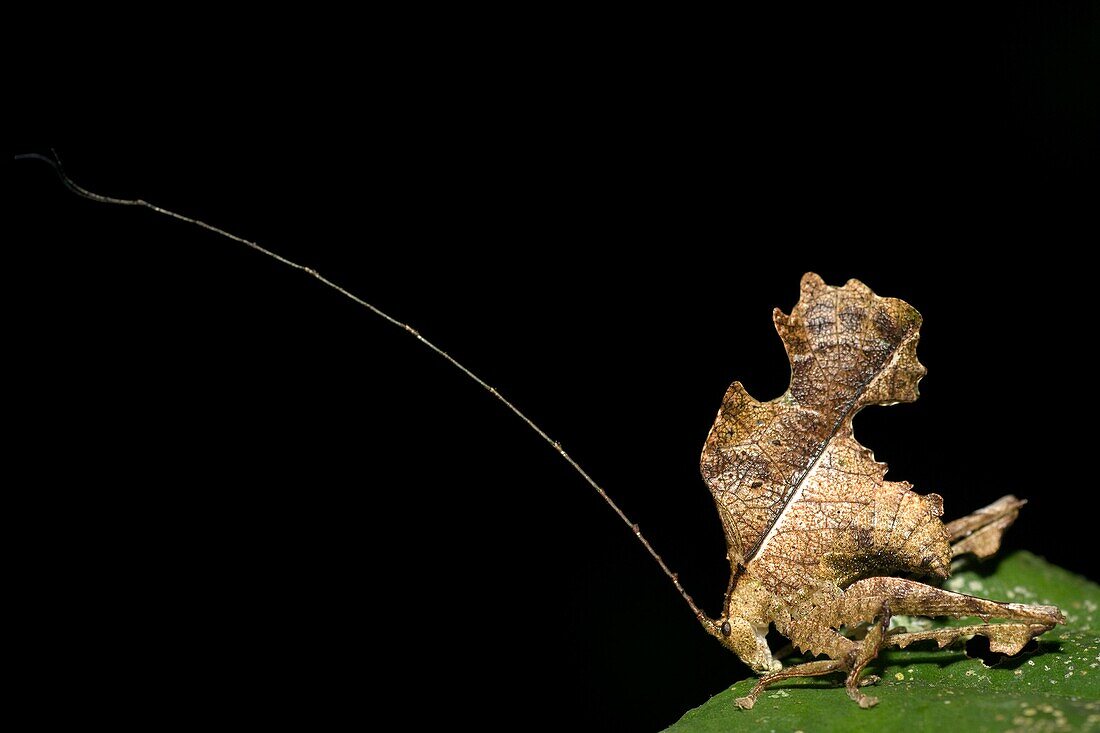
(55, 163)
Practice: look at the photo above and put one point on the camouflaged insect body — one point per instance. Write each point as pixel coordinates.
(814, 532)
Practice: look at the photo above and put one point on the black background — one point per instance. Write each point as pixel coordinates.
(249, 490)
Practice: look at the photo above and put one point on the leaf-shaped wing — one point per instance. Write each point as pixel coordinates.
(848, 348)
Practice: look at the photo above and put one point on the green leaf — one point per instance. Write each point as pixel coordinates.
(925, 689)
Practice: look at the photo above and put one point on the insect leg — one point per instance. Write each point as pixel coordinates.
(1002, 637)
(980, 533)
(866, 599)
(864, 653)
(809, 669)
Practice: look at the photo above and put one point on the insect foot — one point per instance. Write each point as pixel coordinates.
(816, 537)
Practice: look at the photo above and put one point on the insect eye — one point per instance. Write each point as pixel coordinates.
(726, 628)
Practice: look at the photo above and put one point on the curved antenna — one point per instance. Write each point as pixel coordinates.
(55, 163)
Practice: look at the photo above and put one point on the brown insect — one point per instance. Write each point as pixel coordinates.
(815, 535)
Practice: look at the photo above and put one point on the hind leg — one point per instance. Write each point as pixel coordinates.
(980, 533)
(867, 599)
(875, 599)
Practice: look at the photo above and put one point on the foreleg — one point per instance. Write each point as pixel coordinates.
(809, 669)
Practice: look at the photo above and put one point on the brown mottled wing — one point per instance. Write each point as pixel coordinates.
(848, 348)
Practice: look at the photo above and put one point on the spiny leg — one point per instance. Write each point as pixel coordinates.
(868, 598)
(1003, 638)
(980, 532)
(809, 669)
